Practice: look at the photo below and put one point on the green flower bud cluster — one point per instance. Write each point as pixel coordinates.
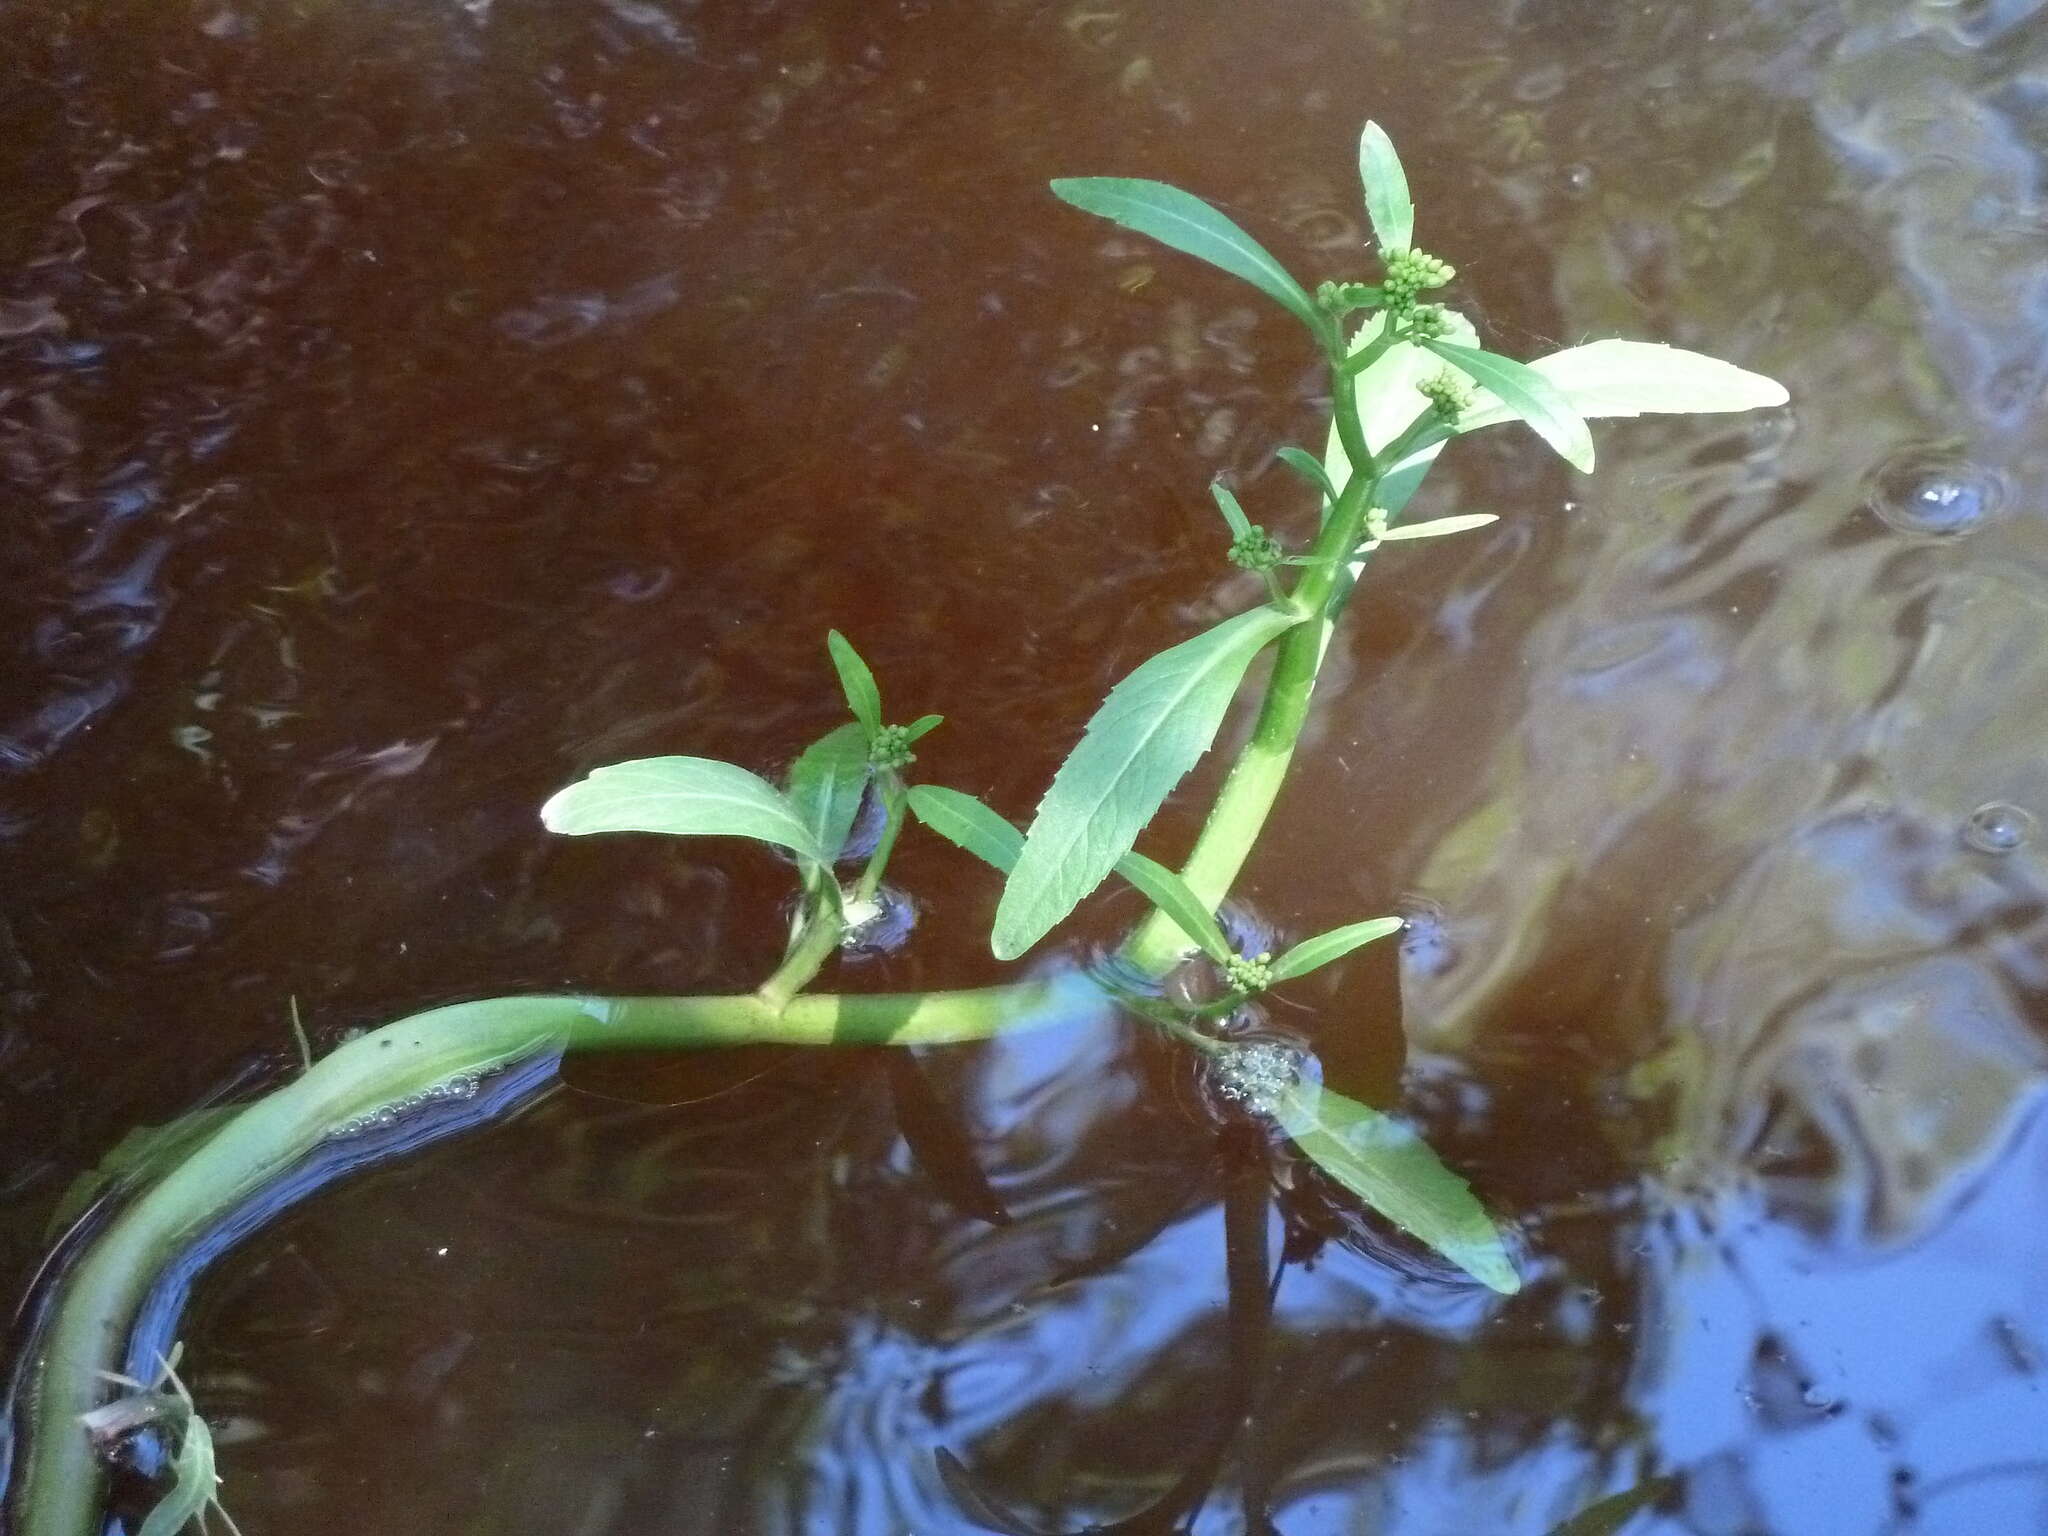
(1340, 299)
(890, 748)
(1449, 393)
(1428, 322)
(1249, 973)
(1255, 550)
(1410, 272)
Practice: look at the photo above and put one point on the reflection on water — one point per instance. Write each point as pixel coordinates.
(405, 407)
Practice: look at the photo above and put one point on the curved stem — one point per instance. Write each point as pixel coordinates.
(61, 1481)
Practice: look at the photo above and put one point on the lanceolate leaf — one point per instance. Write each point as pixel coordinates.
(826, 784)
(1607, 1517)
(965, 821)
(1393, 1170)
(1185, 222)
(922, 726)
(1170, 894)
(1387, 202)
(143, 1152)
(1227, 504)
(862, 696)
(685, 796)
(1437, 527)
(1633, 378)
(1529, 395)
(192, 1469)
(1143, 739)
(1306, 465)
(1311, 954)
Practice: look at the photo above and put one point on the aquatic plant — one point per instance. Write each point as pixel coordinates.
(1408, 376)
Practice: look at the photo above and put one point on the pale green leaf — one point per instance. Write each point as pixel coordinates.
(826, 784)
(1227, 504)
(1394, 1171)
(1185, 222)
(1437, 527)
(681, 796)
(1319, 951)
(965, 822)
(922, 726)
(192, 1485)
(1143, 739)
(856, 681)
(1529, 395)
(1387, 202)
(1170, 894)
(1635, 378)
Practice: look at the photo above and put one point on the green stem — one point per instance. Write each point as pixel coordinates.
(1242, 805)
(892, 826)
(61, 1481)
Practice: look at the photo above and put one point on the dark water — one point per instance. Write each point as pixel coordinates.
(404, 407)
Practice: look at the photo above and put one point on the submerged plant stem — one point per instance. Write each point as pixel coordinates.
(61, 1481)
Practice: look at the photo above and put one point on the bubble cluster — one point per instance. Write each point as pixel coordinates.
(463, 1085)
(1998, 828)
(1255, 1074)
(1933, 492)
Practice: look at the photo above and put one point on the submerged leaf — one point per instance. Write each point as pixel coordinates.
(1394, 1171)
(192, 1486)
(680, 796)
(1143, 739)
(1312, 954)
(1387, 202)
(1606, 1517)
(140, 1154)
(1529, 395)
(1185, 222)
(826, 784)
(857, 681)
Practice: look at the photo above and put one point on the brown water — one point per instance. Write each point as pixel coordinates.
(404, 407)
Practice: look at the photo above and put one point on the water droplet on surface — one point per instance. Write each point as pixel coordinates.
(1578, 180)
(1929, 491)
(1998, 828)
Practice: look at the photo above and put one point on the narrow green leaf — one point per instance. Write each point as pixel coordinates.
(1437, 527)
(1143, 739)
(1170, 894)
(1306, 465)
(1606, 1517)
(965, 822)
(1185, 222)
(856, 681)
(1227, 504)
(922, 726)
(826, 784)
(1387, 202)
(1529, 395)
(1394, 1171)
(681, 796)
(192, 1486)
(1311, 954)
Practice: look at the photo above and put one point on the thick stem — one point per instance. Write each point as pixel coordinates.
(1247, 796)
(61, 1482)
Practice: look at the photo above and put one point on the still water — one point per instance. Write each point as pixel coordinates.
(404, 407)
